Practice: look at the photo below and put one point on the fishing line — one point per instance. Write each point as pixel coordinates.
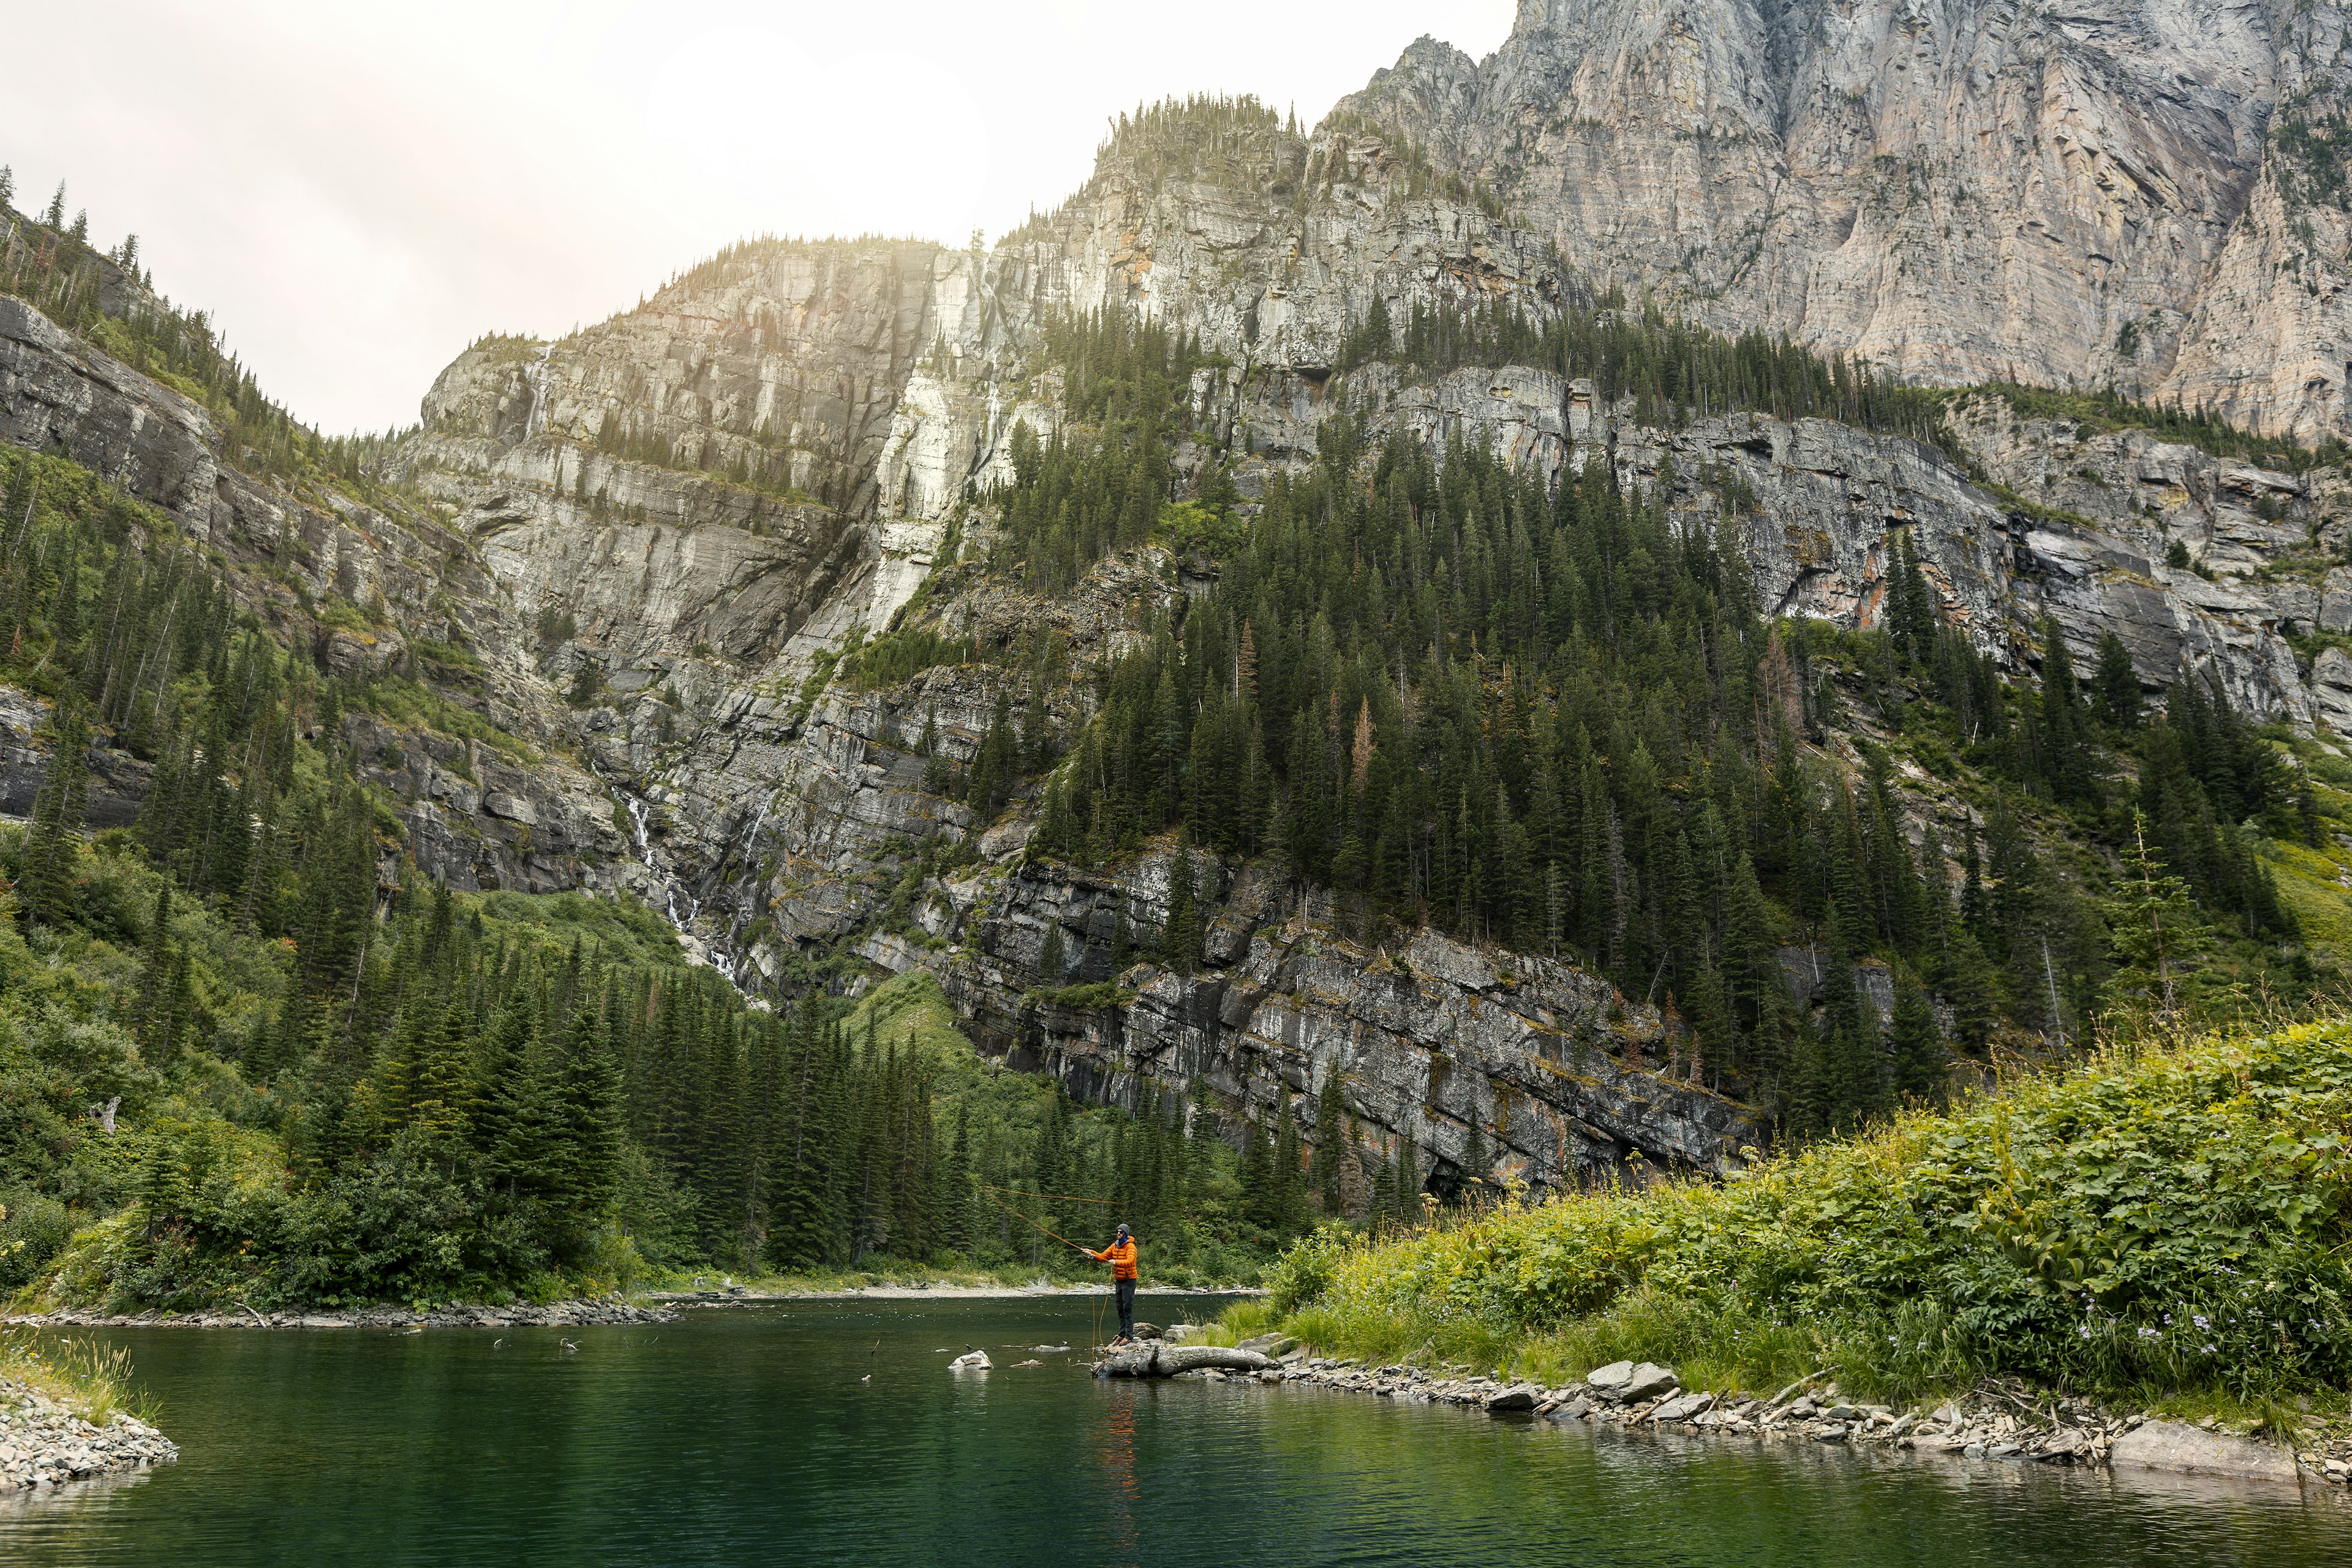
(1094, 1326)
(1058, 1197)
(1024, 1219)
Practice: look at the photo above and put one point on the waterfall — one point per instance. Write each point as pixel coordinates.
(673, 893)
(535, 378)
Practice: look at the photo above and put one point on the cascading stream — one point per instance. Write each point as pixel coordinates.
(673, 893)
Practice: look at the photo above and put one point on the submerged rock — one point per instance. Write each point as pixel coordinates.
(2169, 1445)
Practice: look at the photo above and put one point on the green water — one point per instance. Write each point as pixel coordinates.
(748, 1438)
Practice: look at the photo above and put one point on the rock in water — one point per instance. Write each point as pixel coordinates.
(2169, 1445)
(976, 1361)
(1683, 1407)
(1649, 1380)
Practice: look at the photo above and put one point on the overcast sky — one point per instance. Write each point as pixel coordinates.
(356, 191)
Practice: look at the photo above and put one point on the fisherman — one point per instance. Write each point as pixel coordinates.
(1120, 1255)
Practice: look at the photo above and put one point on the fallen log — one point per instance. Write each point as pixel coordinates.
(1167, 1361)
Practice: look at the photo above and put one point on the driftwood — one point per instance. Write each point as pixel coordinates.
(1167, 1361)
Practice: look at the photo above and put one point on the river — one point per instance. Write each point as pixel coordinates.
(833, 1433)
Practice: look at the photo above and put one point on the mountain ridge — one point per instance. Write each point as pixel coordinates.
(750, 549)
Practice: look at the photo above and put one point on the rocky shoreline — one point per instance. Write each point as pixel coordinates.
(555, 1314)
(1993, 1424)
(43, 1443)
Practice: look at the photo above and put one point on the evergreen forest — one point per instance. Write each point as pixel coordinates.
(245, 1057)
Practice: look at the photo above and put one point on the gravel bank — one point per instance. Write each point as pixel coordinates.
(43, 1443)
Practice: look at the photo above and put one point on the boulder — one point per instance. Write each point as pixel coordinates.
(1609, 1381)
(1520, 1397)
(1683, 1407)
(1628, 1383)
(976, 1361)
(1276, 1346)
(2065, 1446)
(2169, 1445)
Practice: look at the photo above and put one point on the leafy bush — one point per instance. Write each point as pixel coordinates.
(2183, 1220)
(34, 1229)
(1305, 1272)
(1097, 993)
(1192, 529)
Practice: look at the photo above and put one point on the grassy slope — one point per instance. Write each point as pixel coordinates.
(2143, 1228)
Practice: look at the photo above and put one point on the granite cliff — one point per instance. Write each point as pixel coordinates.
(647, 554)
(2141, 192)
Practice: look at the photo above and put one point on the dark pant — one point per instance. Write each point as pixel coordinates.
(1125, 1290)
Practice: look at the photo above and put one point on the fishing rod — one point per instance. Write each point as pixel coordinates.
(1024, 1219)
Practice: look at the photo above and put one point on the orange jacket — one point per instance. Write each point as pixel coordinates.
(1120, 1255)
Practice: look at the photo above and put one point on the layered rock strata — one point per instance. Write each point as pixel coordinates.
(2132, 192)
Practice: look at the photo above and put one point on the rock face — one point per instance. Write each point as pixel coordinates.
(431, 610)
(2133, 191)
(688, 515)
(707, 500)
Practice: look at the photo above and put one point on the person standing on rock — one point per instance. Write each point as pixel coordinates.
(1120, 1255)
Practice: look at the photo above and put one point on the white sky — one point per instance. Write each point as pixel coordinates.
(356, 191)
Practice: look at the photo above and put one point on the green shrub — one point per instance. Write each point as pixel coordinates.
(1302, 1274)
(2181, 1220)
(34, 1229)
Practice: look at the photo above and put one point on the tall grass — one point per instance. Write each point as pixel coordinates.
(2172, 1216)
(91, 1379)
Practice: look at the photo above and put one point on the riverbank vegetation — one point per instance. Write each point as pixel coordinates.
(91, 1380)
(2169, 1221)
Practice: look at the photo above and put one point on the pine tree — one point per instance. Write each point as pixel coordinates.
(2153, 924)
(1972, 985)
(506, 1115)
(1287, 1197)
(2114, 684)
(1921, 1062)
(1182, 947)
(2066, 757)
(584, 1093)
(52, 844)
(1329, 1149)
(1256, 1174)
